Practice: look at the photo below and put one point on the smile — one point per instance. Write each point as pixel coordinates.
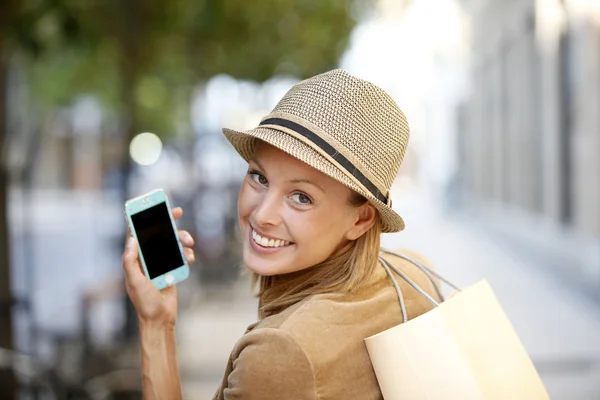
(266, 242)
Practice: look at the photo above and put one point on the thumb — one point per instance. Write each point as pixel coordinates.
(131, 258)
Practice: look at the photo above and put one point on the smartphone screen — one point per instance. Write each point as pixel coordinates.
(157, 241)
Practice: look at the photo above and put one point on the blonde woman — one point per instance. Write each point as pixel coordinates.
(311, 209)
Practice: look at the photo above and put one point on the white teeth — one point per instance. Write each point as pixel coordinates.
(268, 242)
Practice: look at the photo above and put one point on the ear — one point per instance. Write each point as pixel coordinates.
(365, 218)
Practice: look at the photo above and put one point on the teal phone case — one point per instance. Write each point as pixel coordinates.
(141, 203)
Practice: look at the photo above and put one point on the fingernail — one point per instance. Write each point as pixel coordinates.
(130, 242)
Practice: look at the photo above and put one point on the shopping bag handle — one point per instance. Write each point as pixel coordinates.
(389, 267)
(386, 266)
(428, 271)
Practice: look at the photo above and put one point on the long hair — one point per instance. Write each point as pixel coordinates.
(343, 271)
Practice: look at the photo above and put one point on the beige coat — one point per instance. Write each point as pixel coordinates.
(315, 349)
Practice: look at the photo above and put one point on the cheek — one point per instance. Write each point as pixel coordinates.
(318, 231)
(246, 201)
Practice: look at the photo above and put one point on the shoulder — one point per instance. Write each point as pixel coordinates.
(270, 364)
(309, 351)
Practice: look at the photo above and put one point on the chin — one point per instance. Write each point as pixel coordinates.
(256, 264)
(262, 269)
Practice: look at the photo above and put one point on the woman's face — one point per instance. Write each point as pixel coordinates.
(292, 216)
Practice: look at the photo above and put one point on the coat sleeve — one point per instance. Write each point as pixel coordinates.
(269, 364)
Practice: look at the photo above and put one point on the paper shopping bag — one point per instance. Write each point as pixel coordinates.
(463, 349)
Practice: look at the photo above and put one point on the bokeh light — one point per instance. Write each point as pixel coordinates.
(145, 148)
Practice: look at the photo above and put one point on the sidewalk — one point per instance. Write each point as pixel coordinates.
(207, 332)
(560, 330)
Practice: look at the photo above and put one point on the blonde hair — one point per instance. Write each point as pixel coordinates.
(343, 272)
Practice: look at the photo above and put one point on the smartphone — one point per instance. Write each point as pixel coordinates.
(161, 252)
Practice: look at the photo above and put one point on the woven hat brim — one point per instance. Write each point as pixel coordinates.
(244, 144)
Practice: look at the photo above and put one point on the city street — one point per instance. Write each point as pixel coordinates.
(485, 111)
(559, 328)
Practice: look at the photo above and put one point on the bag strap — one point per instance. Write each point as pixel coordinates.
(425, 270)
(410, 282)
(428, 271)
(396, 287)
(389, 267)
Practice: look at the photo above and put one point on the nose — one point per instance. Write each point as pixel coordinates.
(267, 211)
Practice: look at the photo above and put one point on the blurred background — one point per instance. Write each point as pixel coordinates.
(102, 100)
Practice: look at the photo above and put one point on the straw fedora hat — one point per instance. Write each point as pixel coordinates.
(345, 127)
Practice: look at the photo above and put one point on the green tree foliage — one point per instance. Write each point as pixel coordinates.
(141, 58)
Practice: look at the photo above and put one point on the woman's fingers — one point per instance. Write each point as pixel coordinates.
(188, 242)
(186, 239)
(189, 254)
(177, 212)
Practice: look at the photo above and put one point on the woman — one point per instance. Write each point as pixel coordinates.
(311, 210)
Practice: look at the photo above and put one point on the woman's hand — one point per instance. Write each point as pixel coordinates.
(153, 306)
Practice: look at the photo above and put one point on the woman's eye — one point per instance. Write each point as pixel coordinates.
(258, 178)
(301, 198)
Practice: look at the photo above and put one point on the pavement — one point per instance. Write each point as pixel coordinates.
(559, 328)
(207, 332)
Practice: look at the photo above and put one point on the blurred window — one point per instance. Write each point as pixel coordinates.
(566, 118)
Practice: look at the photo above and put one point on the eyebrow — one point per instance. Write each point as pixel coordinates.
(299, 180)
(255, 161)
(308, 181)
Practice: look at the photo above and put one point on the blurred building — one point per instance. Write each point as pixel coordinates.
(529, 131)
